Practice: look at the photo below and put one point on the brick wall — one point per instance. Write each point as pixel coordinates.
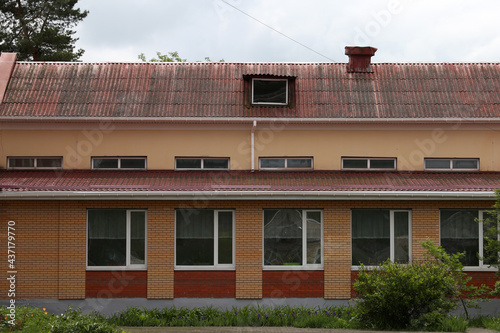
(51, 245)
(293, 284)
(116, 284)
(205, 284)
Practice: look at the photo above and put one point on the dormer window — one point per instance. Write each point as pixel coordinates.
(270, 91)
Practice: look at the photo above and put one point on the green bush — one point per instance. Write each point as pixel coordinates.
(417, 295)
(73, 321)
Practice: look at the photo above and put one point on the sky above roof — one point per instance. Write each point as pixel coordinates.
(290, 30)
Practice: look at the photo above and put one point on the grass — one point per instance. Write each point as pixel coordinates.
(31, 319)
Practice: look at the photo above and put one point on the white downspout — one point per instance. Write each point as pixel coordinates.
(252, 143)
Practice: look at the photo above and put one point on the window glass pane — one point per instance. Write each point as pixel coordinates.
(48, 162)
(105, 163)
(299, 163)
(188, 163)
(490, 231)
(465, 164)
(370, 236)
(354, 164)
(313, 220)
(270, 91)
(107, 237)
(437, 164)
(137, 238)
(225, 238)
(194, 237)
(21, 162)
(133, 163)
(459, 233)
(382, 164)
(272, 163)
(401, 237)
(216, 163)
(282, 237)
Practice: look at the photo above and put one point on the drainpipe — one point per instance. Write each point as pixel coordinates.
(252, 142)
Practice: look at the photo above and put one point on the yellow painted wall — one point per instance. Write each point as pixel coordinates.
(326, 146)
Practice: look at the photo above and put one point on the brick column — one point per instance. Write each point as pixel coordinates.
(249, 251)
(337, 247)
(161, 240)
(72, 248)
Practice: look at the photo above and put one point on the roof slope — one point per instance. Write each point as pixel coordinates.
(323, 90)
(318, 181)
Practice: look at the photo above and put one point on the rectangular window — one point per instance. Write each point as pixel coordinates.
(283, 163)
(270, 91)
(124, 163)
(372, 163)
(116, 239)
(202, 163)
(34, 162)
(462, 230)
(204, 238)
(458, 164)
(293, 238)
(380, 234)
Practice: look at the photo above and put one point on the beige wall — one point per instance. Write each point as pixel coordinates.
(326, 146)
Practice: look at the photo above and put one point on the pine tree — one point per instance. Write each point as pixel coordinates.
(40, 30)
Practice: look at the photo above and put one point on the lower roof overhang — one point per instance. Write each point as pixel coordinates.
(248, 195)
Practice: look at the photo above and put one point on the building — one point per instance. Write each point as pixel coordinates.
(239, 181)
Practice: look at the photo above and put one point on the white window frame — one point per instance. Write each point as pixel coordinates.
(368, 163)
(35, 162)
(286, 163)
(391, 234)
(270, 103)
(451, 160)
(216, 266)
(305, 266)
(128, 266)
(119, 159)
(202, 159)
(481, 216)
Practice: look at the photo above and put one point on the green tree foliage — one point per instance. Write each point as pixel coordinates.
(169, 57)
(40, 30)
(418, 295)
(491, 239)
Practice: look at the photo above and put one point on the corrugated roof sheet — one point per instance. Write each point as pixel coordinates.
(93, 180)
(323, 90)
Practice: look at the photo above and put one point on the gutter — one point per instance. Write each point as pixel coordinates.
(247, 195)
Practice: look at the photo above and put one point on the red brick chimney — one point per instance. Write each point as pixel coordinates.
(359, 58)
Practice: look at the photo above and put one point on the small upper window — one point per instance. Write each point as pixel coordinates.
(465, 164)
(286, 163)
(270, 91)
(34, 162)
(198, 163)
(374, 163)
(125, 163)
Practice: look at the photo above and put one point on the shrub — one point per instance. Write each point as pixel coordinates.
(73, 321)
(416, 295)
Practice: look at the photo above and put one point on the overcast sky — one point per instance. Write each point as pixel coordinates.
(291, 30)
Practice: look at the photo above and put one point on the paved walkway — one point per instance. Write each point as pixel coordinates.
(255, 330)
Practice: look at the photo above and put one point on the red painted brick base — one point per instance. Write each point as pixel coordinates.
(293, 284)
(116, 284)
(205, 284)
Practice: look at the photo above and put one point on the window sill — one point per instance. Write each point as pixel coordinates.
(204, 268)
(116, 268)
(466, 268)
(294, 268)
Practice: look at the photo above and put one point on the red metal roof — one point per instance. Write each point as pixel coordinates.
(140, 181)
(323, 90)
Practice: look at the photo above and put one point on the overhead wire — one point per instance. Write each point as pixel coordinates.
(277, 31)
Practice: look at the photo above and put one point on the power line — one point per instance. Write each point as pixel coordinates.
(282, 34)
